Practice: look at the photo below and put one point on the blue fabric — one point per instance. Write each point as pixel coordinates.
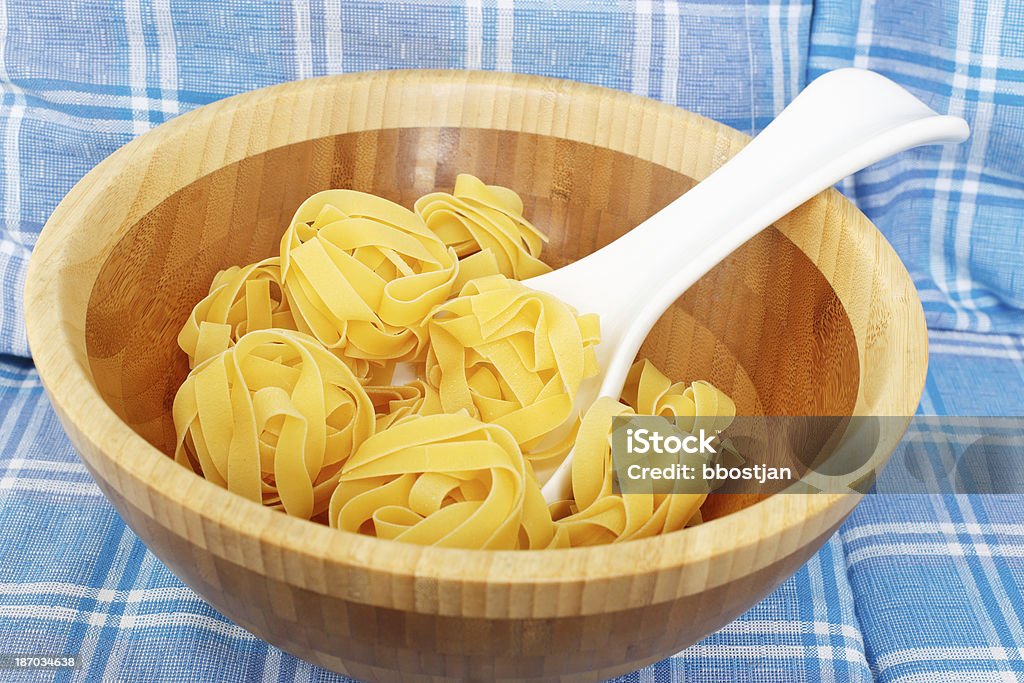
(954, 213)
(939, 580)
(911, 589)
(79, 79)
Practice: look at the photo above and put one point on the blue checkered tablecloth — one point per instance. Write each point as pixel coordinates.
(913, 588)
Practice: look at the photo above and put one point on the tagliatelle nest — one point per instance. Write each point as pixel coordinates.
(240, 299)
(446, 480)
(362, 273)
(596, 514)
(698, 405)
(272, 418)
(485, 224)
(511, 356)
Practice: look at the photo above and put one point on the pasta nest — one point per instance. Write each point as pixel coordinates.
(362, 273)
(445, 480)
(240, 299)
(514, 357)
(597, 515)
(697, 405)
(272, 418)
(485, 226)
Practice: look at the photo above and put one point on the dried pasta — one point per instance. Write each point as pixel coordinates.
(511, 356)
(392, 403)
(291, 401)
(596, 515)
(240, 300)
(362, 273)
(649, 392)
(273, 418)
(478, 218)
(447, 480)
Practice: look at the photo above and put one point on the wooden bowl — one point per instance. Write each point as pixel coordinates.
(814, 316)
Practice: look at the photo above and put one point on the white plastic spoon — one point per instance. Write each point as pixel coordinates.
(843, 121)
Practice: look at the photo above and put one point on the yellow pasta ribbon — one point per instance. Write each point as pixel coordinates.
(511, 356)
(392, 403)
(241, 299)
(272, 418)
(477, 218)
(362, 273)
(446, 480)
(596, 515)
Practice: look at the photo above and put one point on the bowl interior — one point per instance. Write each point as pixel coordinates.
(765, 325)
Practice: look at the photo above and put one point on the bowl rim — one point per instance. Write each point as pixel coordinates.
(113, 451)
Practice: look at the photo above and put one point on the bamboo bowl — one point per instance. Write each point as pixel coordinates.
(814, 316)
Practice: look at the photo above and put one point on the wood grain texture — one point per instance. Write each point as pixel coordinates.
(815, 316)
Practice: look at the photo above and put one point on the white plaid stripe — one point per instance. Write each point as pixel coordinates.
(137, 65)
(642, 23)
(778, 75)
(949, 154)
(474, 34)
(670, 52)
(817, 584)
(272, 666)
(971, 675)
(333, 37)
(13, 254)
(795, 66)
(167, 58)
(100, 618)
(121, 548)
(505, 47)
(302, 37)
(978, 142)
(865, 26)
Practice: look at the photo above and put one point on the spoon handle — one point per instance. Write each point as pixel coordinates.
(843, 121)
